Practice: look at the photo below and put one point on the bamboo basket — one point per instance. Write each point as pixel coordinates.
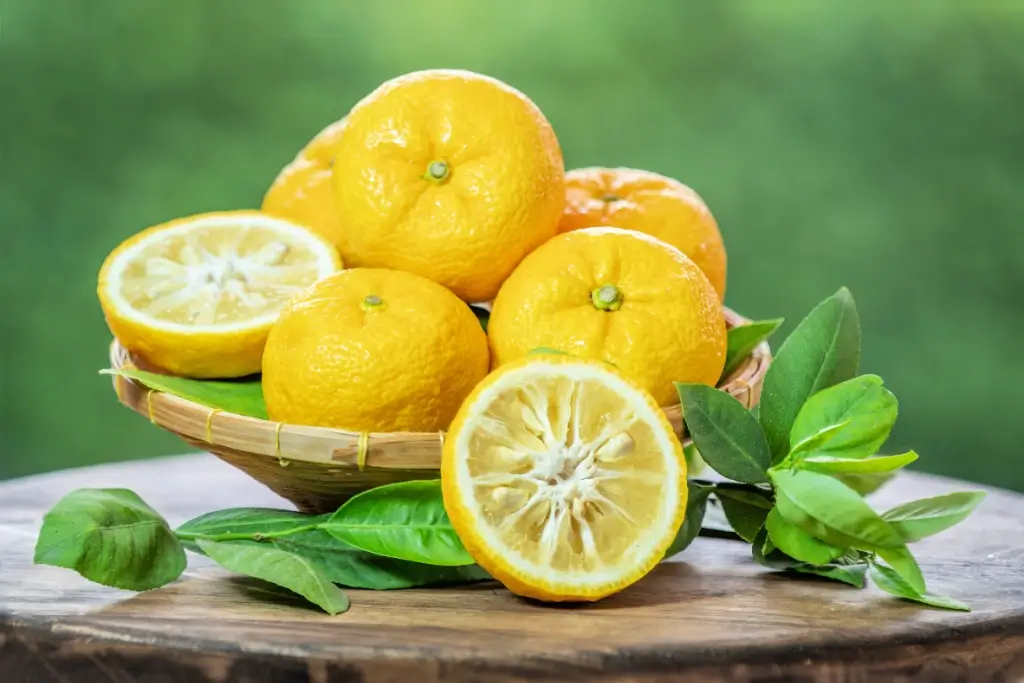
(317, 468)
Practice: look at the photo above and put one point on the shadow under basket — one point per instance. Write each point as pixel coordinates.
(318, 468)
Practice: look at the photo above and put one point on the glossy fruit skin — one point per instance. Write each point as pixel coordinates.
(650, 203)
(498, 567)
(670, 327)
(404, 365)
(302, 191)
(204, 355)
(499, 194)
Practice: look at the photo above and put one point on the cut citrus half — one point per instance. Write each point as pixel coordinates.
(563, 478)
(197, 296)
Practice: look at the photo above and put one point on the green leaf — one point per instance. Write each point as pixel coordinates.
(865, 409)
(355, 568)
(823, 350)
(694, 463)
(920, 518)
(241, 523)
(482, 314)
(745, 510)
(744, 339)
(813, 442)
(241, 397)
(833, 465)
(903, 562)
(406, 521)
(767, 555)
(728, 437)
(112, 537)
(797, 543)
(865, 484)
(852, 574)
(282, 568)
(831, 511)
(891, 582)
(696, 506)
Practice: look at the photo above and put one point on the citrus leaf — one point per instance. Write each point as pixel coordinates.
(744, 339)
(482, 314)
(696, 506)
(237, 523)
(745, 511)
(406, 521)
(797, 543)
(728, 437)
(884, 463)
(814, 441)
(831, 511)
(865, 484)
(920, 518)
(891, 582)
(355, 568)
(852, 574)
(823, 350)
(112, 537)
(903, 563)
(282, 568)
(865, 409)
(241, 397)
(767, 555)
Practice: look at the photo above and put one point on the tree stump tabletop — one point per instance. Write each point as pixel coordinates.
(710, 615)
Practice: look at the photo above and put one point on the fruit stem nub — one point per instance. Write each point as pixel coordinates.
(609, 198)
(372, 302)
(437, 171)
(607, 298)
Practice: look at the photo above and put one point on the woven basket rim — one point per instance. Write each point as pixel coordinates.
(339, 448)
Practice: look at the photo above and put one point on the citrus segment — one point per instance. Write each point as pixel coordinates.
(563, 478)
(197, 296)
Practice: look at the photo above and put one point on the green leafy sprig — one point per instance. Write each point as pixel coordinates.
(802, 464)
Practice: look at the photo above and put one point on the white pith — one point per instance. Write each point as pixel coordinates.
(568, 476)
(200, 278)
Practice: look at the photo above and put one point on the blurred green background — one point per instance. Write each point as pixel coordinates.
(876, 145)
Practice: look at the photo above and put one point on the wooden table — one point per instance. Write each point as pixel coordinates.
(713, 616)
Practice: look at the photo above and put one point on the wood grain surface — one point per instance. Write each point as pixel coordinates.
(710, 616)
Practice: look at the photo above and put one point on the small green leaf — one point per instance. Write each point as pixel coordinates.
(694, 463)
(891, 582)
(767, 555)
(797, 543)
(831, 511)
(282, 568)
(921, 518)
(241, 523)
(865, 408)
(813, 442)
(832, 465)
(241, 397)
(728, 437)
(355, 568)
(823, 350)
(744, 339)
(901, 560)
(406, 521)
(745, 510)
(482, 314)
(852, 574)
(865, 484)
(112, 537)
(696, 506)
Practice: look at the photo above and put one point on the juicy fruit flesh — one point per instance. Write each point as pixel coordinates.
(566, 478)
(216, 275)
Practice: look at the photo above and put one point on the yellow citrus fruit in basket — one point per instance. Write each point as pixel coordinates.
(302, 191)
(373, 350)
(563, 478)
(614, 295)
(651, 203)
(197, 296)
(450, 175)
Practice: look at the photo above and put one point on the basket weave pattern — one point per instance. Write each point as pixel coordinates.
(318, 468)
